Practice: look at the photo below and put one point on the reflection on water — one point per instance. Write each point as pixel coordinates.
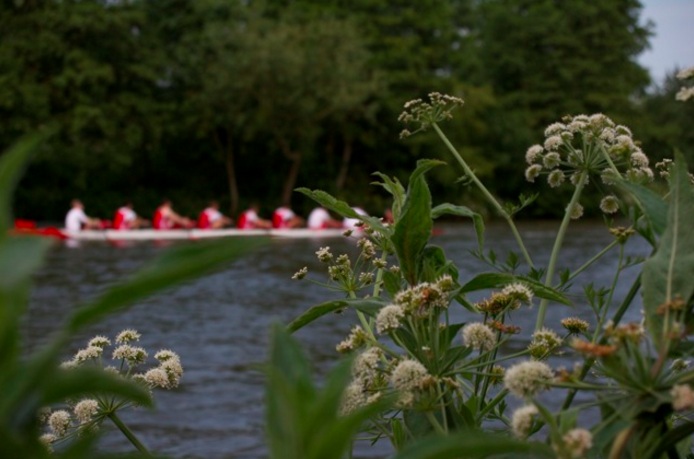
(219, 324)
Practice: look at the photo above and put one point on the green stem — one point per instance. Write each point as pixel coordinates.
(587, 264)
(606, 307)
(128, 434)
(557, 247)
(492, 200)
(434, 422)
(379, 276)
(492, 403)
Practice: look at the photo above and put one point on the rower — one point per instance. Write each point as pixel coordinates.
(354, 223)
(165, 218)
(77, 220)
(320, 218)
(127, 219)
(250, 219)
(212, 218)
(285, 218)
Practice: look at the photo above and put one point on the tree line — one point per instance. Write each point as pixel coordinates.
(243, 101)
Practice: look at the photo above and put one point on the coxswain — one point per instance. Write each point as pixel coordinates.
(127, 219)
(354, 223)
(165, 218)
(285, 218)
(320, 218)
(77, 220)
(249, 219)
(212, 218)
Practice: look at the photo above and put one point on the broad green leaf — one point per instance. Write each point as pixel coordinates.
(423, 166)
(435, 265)
(20, 257)
(341, 207)
(395, 188)
(413, 229)
(369, 306)
(12, 165)
(391, 282)
(673, 437)
(652, 204)
(174, 266)
(471, 444)
(499, 280)
(667, 275)
(462, 211)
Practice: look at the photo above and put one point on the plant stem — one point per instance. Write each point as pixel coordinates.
(492, 200)
(587, 264)
(492, 403)
(128, 434)
(379, 277)
(557, 247)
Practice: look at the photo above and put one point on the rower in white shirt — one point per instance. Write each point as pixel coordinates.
(352, 223)
(320, 218)
(212, 218)
(77, 220)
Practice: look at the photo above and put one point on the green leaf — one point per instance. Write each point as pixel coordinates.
(391, 282)
(462, 211)
(20, 257)
(12, 165)
(395, 188)
(499, 280)
(470, 444)
(369, 306)
(434, 265)
(652, 204)
(667, 275)
(413, 229)
(174, 266)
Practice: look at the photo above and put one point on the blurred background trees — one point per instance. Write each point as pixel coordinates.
(243, 101)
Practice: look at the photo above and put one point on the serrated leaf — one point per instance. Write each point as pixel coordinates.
(667, 275)
(499, 280)
(462, 211)
(341, 207)
(395, 188)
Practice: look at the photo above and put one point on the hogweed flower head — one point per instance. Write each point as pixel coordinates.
(324, 255)
(90, 353)
(127, 336)
(420, 298)
(85, 410)
(99, 341)
(446, 283)
(366, 278)
(365, 366)
(684, 94)
(522, 421)
(609, 204)
(574, 325)
(577, 442)
(479, 336)
(409, 375)
(156, 377)
(47, 440)
(166, 354)
(686, 73)
(300, 274)
(59, 422)
(527, 378)
(356, 338)
(389, 318)
(682, 397)
(519, 292)
(543, 342)
(424, 114)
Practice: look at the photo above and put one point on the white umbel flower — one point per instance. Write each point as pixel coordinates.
(577, 442)
(686, 73)
(99, 341)
(365, 366)
(173, 370)
(532, 172)
(577, 212)
(156, 377)
(519, 291)
(85, 410)
(556, 178)
(527, 378)
(551, 160)
(553, 142)
(534, 154)
(682, 397)
(324, 255)
(127, 336)
(409, 375)
(166, 354)
(90, 353)
(389, 318)
(353, 398)
(522, 421)
(609, 204)
(59, 422)
(478, 336)
(47, 440)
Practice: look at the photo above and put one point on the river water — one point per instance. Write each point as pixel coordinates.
(219, 324)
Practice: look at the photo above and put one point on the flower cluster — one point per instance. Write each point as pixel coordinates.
(425, 114)
(543, 343)
(512, 297)
(527, 378)
(88, 413)
(685, 93)
(479, 336)
(415, 301)
(582, 146)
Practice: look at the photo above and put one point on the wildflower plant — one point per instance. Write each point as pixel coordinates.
(442, 378)
(126, 361)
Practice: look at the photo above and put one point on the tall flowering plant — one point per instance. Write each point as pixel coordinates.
(442, 377)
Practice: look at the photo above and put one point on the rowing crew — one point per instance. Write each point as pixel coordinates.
(166, 218)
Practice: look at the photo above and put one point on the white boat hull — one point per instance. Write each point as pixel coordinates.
(194, 234)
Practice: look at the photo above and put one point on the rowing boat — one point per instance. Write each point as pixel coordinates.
(194, 234)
